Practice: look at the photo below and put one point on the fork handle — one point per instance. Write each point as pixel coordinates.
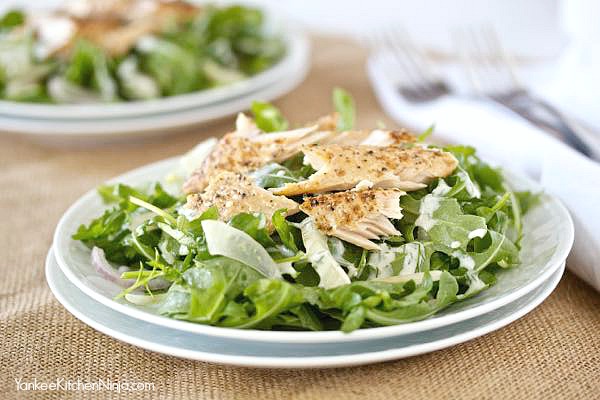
(545, 116)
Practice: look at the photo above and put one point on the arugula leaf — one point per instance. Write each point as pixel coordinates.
(206, 290)
(268, 118)
(255, 225)
(457, 233)
(12, 19)
(90, 68)
(299, 317)
(446, 294)
(288, 234)
(268, 298)
(527, 200)
(120, 193)
(109, 232)
(500, 250)
(174, 68)
(273, 175)
(428, 132)
(344, 105)
(445, 222)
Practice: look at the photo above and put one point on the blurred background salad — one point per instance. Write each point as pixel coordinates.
(106, 51)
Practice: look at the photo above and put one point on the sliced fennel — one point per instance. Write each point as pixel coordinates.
(331, 274)
(225, 240)
(417, 277)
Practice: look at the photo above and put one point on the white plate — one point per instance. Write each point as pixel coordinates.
(107, 129)
(548, 237)
(296, 54)
(275, 355)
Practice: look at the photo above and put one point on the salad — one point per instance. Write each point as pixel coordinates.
(321, 227)
(93, 51)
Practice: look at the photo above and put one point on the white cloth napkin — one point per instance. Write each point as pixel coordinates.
(509, 141)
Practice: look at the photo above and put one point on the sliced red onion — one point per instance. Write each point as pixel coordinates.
(104, 268)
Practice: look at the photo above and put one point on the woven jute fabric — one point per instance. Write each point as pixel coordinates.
(551, 353)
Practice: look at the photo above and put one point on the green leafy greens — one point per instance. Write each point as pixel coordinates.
(216, 46)
(283, 273)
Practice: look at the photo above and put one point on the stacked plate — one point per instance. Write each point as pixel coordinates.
(548, 236)
(114, 121)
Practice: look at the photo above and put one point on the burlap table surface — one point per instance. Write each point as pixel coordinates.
(553, 352)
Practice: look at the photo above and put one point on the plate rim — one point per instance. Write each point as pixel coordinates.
(61, 235)
(337, 361)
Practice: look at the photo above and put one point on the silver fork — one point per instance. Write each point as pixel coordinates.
(418, 83)
(490, 71)
(492, 74)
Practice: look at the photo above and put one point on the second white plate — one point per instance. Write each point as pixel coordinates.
(276, 355)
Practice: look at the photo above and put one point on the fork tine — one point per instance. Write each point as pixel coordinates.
(399, 54)
(488, 65)
(411, 59)
(422, 63)
(504, 61)
(466, 57)
(413, 56)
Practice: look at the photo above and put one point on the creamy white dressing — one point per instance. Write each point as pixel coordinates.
(63, 91)
(429, 204)
(470, 186)
(136, 84)
(337, 250)
(146, 43)
(465, 260)
(477, 233)
(188, 213)
(441, 189)
(455, 244)
(382, 261)
(287, 268)
(476, 284)
(414, 255)
(323, 262)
